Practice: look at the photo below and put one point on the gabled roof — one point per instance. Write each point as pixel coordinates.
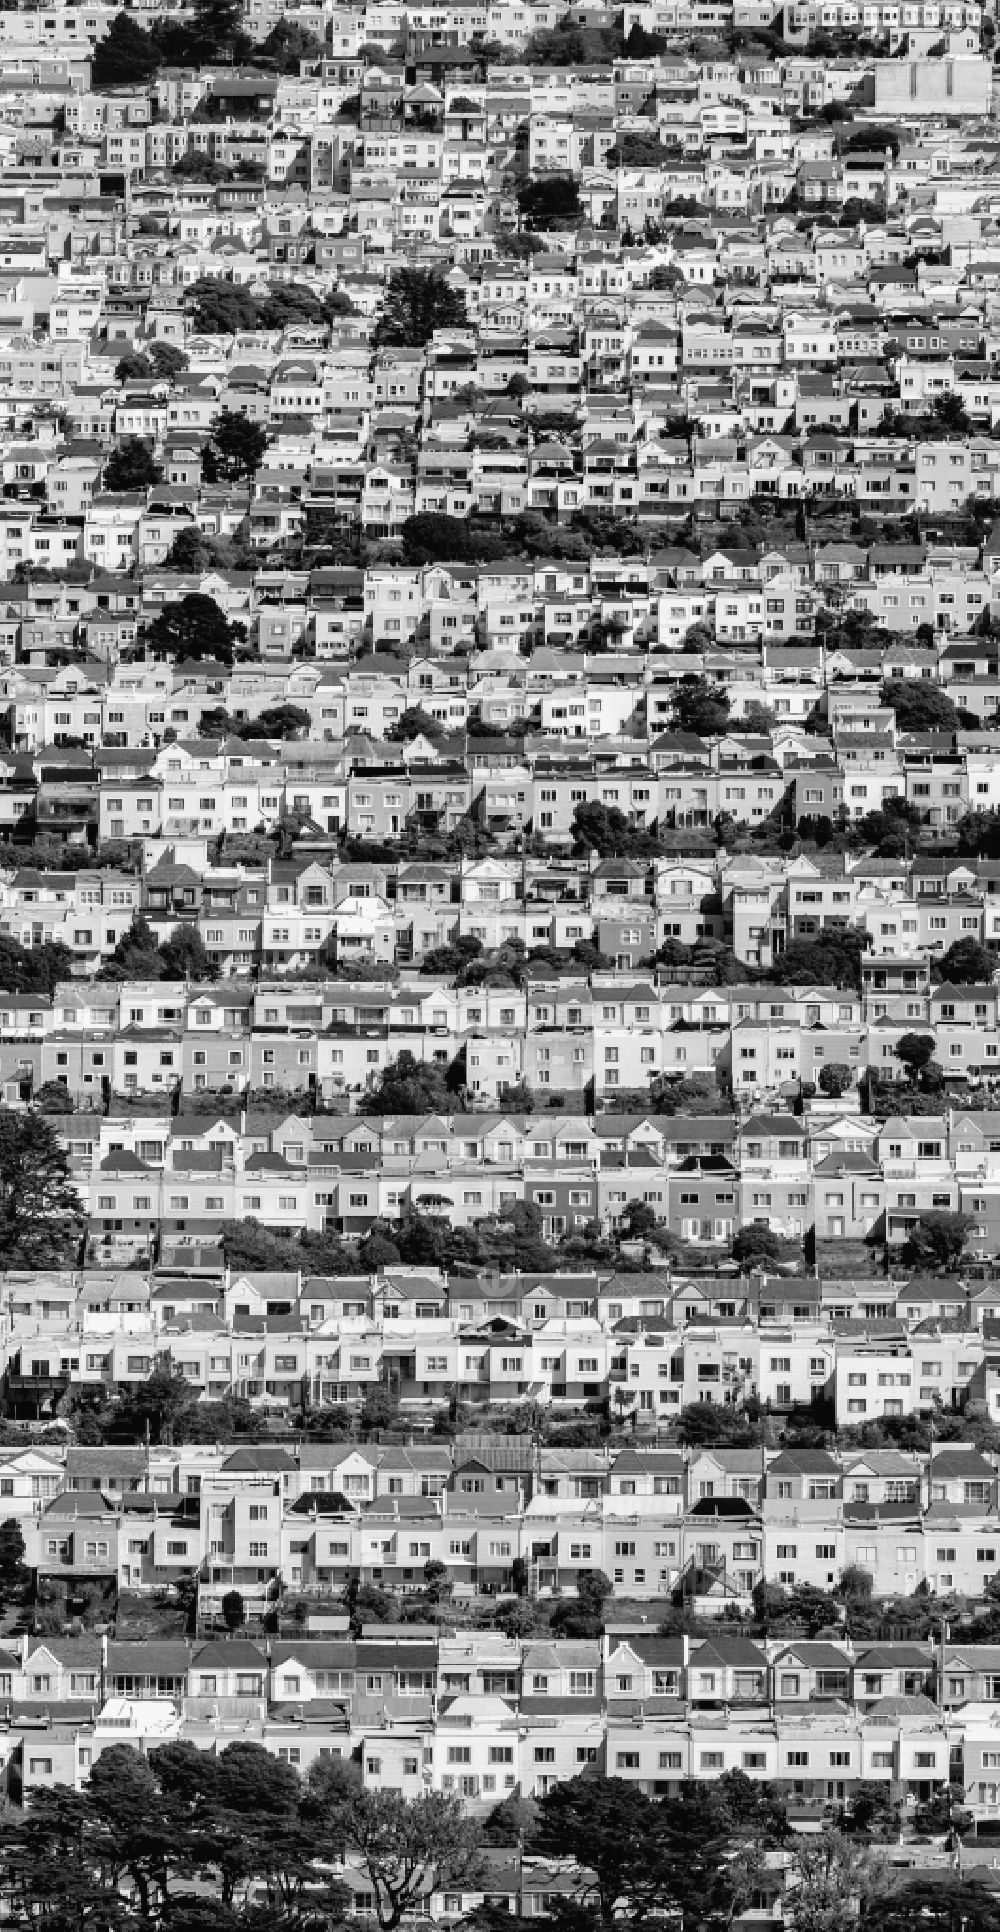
(230, 1653)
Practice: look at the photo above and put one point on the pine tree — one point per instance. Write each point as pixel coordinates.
(42, 1218)
(14, 1575)
(418, 301)
(126, 56)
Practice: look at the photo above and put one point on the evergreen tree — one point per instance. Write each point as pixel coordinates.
(195, 628)
(42, 1218)
(14, 1574)
(131, 466)
(126, 57)
(418, 301)
(183, 955)
(136, 955)
(236, 448)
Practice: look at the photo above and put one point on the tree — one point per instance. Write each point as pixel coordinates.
(53, 1098)
(641, 45)
(168, 361)
(367, 1603)
(415, 722)
(513, 1240)
(812, 1609)
(915, 1051)
(136, 956)
(939, 1902)
(157, 1406)
(126, 1847)
(127, 56)
(33, 969)
(855, 1583)
(196, 165)
(700, 706)
(967, 963)
(516, 1617)
(235, 449)
(411, 1086)
(42, 1218)
(276, 721)
(919, 705)
(438, 1582)
(194, 551)
(221, 308)
(829, 1883)
(376, 1409)
(134, 368)
(638, 151)
(288, 44)
(337, 303)
(433, 537)
(609, 1828)
(194, 628)
(184, 956)
(213, 34)
(703, 1423)
(756, 1246)
(637, 1219)
(418, 301)
(889, 828)
(757, 717)
(834, 959)
(377, 1251)
(698, 1094)
(48, 1870)
(937, 1242)
(508, 1824)
(551, 201)
(835, 1078)
(131, 467)
(585, 1616)
(14, 1574)
(410, 1849)
(234, 1613)
(423, 1239)
(695, 1857)
(606, 830)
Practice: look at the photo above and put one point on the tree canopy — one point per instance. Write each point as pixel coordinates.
(126, 57)
(700, 706)
(219, 307)
(920, 705)
(42, 1217)
(937, 1241)
(131, 466)
(409, 1847)
(417, 302)
(236, 447)
(832, 959)
(966, 963)
(411, 1086)
(33, 969)
(194, 628)
(288, 44)
(756, 1246)
(551, 201)
(697, 1856)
